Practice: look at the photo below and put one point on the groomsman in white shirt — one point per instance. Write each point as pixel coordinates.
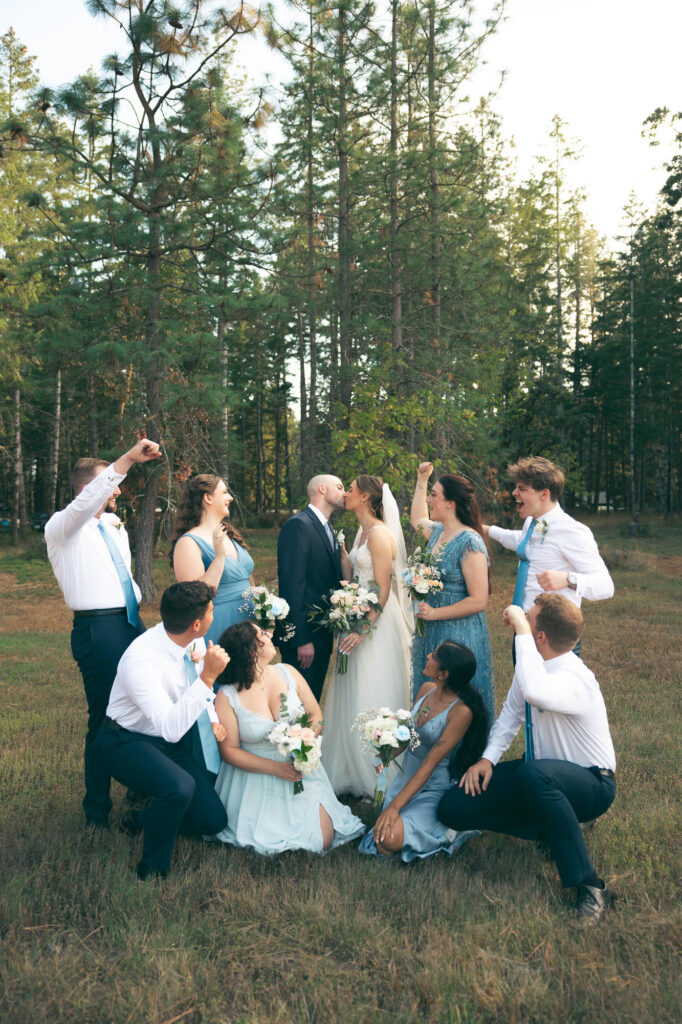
(556, 552)
(164, 685)
(568, 773)
(90, 555)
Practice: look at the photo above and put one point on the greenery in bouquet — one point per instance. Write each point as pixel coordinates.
(347, 610)
(422, 577)
(268, 610)
(386, 734)
(294, 736)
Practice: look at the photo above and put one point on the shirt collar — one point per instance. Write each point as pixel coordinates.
(554, 513)
(168, 645)
(552, 664)
(319, 515)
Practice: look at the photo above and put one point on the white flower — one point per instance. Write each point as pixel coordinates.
(387, 739)
(340, 538)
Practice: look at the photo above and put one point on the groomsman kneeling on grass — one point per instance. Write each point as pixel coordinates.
(164, 685)
(568, 773)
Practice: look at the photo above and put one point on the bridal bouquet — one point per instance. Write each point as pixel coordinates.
(346, 611)
(267, 609)
(295, 739)
(386, 734)
(422, 577)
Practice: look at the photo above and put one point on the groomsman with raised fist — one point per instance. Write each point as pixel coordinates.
(90, 555)
(556, 552)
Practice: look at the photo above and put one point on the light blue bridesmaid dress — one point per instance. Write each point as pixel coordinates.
(471, 631)
(233, 582)
(263, 812)
(424, 835)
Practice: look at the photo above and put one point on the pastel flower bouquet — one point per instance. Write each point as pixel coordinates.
(422, 577)
(268, 609)
(294, 737)
(386, 734)
(347, 611)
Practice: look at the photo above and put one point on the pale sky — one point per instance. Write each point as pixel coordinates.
(602, 65)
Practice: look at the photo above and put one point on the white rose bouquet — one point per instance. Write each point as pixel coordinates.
(386, 734)
(422, 577)
(347, 611)
(295, 738)
(268, 609)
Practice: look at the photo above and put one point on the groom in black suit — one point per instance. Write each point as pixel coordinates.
(308, 566)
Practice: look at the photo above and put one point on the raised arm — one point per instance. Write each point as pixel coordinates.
(188, 563)
(419, 513)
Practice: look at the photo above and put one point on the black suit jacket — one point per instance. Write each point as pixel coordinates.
(307, 569)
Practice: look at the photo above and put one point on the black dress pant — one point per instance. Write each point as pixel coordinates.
(543, 800)
(97, 644)
(185, 800)
(316, 674)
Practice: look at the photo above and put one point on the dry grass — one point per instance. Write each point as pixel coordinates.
(235, 938)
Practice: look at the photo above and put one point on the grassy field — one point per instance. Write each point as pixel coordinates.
(484, 937)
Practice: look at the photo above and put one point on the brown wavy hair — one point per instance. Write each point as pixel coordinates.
(374, 488)
(458, 489)
(243, 644)
(188, 513)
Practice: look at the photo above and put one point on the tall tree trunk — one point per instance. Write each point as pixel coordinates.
(434, 198)
(224, 460)
(633, 528)
(54, 465)
(145, 527)
(312, 298)
(396, 269)
(344, 231)
(19, 516)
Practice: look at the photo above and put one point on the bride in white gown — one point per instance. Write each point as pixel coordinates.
(378, 673)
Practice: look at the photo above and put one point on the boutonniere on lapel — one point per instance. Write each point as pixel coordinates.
(195, 654)
(541, 529)
(339, 537)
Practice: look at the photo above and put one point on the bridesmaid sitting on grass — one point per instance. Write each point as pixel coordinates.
(452, 724)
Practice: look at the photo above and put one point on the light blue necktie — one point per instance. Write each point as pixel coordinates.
(521, 577)
(330, 534)
(124, 576)
(209, 746)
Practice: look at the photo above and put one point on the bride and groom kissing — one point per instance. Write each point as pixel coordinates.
(311, 562)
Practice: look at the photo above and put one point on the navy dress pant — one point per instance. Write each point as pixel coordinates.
(97, 644)
(544, 800)
(185, 800)
(316, 674)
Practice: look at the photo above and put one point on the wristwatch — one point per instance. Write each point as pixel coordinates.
(572, 580)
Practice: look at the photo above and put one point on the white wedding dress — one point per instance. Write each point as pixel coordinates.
(378, 676)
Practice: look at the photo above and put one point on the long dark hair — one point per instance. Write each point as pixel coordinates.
(243, 644)
(373, 487)
(458, 489)
(188, 514)
(460, 664)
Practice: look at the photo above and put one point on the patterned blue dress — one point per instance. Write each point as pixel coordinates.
(233, 582)
(471, 631)
(423, 832)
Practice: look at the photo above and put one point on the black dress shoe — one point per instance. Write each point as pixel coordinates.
(144, 872)
(130, 824)
(591, 903)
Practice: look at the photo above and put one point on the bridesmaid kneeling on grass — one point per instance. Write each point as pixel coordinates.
(256, 783)
(452, 724)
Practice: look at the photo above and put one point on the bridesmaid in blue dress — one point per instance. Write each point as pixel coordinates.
(452, 724)
(458, 611)
(208, 548)
(255, 783)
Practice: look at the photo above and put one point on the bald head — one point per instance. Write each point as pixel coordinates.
(327, 493)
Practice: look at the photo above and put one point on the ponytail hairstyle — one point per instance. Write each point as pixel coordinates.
(460, 664)
(188, 514)
(373, 487)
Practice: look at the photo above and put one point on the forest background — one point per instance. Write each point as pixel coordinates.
(352, 279)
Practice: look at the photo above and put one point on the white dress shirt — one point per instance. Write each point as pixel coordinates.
(565, 546)
(152, 692)
(567, 709)
(325, 522)
(78, 553)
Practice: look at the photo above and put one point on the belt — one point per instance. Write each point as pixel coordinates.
(607, 773)
(100, 611)
(112, 724)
